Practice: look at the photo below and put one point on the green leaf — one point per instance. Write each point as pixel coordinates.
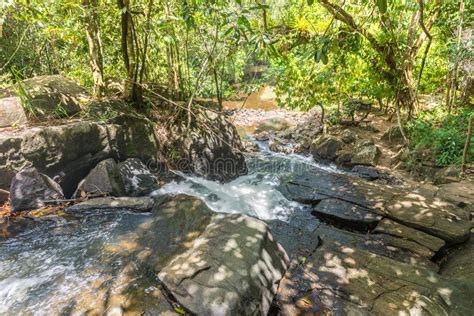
(310, 2)
(382, 5)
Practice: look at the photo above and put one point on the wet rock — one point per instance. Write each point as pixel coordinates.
(231, 265)
(366, 153)
(392, 228)
(250, 147)
(104, 179)
(300, 148)
(447, 175)
(372, 173)
(262, 136)
(137, 204)
(430, 215)
(276, 146)
(345, 279)
(136, 177)
(30, 189)
(346, 214)
(392, 134)
(326, 147)
(344, 158)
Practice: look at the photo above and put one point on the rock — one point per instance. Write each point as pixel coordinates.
(348, 137)
(326, 147)
(68, 152)
(459, 262)
(104, 179)
(447, 175)
(392, 134)
(262, 136)
(346, 214)
(136, 177)
(344, 158)
(211, 149)
(390, 227)
(366, 154)
(300, 148)
(430, 215)
(275, 146)
(250, 147)
(228, 264)
(137, 204)
(4, 196)
(50, 96)
(372, 173)
(11, 112)
(345, 280)
(30, 189)
(458, 193)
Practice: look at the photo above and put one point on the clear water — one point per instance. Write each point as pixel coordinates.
(70, 266)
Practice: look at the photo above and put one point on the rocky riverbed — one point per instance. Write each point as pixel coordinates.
(94, 228)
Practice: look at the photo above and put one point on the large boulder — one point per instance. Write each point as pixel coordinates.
(104, 179)
(447, 175)
(209, 147)
(326, 147)
(30, 189)
(365, 153)
(231, 267)
(68, 152)
(42, 97)
(138, 180)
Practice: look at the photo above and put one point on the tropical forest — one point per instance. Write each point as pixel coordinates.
(237, 157)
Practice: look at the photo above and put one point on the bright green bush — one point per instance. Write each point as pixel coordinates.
(443, 133)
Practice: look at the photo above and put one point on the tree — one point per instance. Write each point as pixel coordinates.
(398, 57)
(95, 45)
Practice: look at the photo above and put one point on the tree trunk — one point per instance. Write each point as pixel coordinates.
(133, 91)
(466, 146)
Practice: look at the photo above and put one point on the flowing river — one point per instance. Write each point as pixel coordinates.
(61, 265)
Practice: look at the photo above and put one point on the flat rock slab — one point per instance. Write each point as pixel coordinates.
(346, 214)
(351, 281)
(388, 246)
(138, 204)
(428, 214)
(390, 227)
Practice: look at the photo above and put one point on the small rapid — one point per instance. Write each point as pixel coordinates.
(66, 265)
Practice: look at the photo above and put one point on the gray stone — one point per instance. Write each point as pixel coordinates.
(136, 177)
(430, 215)
(390, 227)
(346, 214)
(137, 204)
(392, 134)
(231, 268)
(348, 136)
(11, 112)
(326, 147)
(30, 189)
(104, 179)
(447, 175)
(68, 152)
(347, 280)
(366, 154)
(50, 96)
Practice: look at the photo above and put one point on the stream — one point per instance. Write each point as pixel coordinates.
(62, 266)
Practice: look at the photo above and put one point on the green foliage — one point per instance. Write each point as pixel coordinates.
(443, 133)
